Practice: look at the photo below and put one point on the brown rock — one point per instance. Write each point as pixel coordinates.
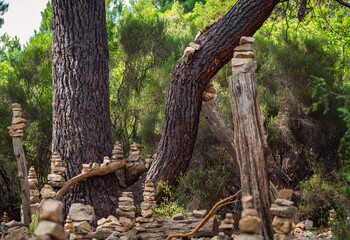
(244, 48)
(282, 225)
(200, 213)
(282, 211)
(285, 194)
(178, 216)
(121, 213)
(247, 202)
(280, 236)
(283, 202)
(245, 40)
(147, 213)
(52, 229)
(55, 177)
(250, 224)
(80, 212)
(195, 46)
(17, 120)
(51, 210)
(16, 105)
(81, 227)
(244, 55)
(18, 126)
(250, 212)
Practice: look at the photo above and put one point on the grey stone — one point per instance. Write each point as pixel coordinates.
(113, 236)
(52, 229)
(80, 212)
(283, 211)
(200, 213)
(178, 216)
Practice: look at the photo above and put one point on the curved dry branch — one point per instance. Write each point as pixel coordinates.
(113, 167)
(216, 207)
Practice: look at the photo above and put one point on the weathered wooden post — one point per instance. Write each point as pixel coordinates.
(249, 132)
(16, 132)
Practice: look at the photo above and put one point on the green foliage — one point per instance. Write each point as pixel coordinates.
(167, 208)
(34, 223)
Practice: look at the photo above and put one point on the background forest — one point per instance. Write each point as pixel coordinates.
(303, 59)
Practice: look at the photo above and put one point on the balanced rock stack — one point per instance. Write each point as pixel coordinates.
(149, 160)
(209, 93)
(33, 190)
(18, 123)
(283, 212)
(126, 210)
(81, 215)
(147, 208)
(243, 56)
(226, 228)
(105, 226)
(106, 162)
(135, 166)
(5, 218)
(68, 226)
(250, 223)
(56, 179)
(333, 222)
(50, 221)
(117, 156)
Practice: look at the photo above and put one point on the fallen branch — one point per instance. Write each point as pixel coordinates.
(216, 207)
(104, 170)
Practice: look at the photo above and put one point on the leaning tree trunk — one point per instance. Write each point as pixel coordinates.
(184, 98)
(81, 115)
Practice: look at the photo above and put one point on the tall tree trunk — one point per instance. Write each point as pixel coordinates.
(188, 81)
(251, 145)
(81, 115)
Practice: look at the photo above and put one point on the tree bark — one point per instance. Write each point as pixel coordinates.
(81, 115)
(251, 145)
(23, 179)
(184, 98)
(225, 134)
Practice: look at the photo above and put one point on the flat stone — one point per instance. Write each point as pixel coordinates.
(148, 205)
(81, 227)
(195, 46)
(127, 208)
(150, 194)
(17, 120)
(80, 212)
(125, 214)
(285, 194)
(245, 40)
(15, 105)
(17, 113)
(129, 203)
(144, 220)
(284, 202)
(147, 213)
(126, 199)
(247, 202)
(249, 67)
(282, 225)
(55, 177)
(137, 152)
(18, 126)
(244, 55)
(148, 198)
(249, 212)
(283, 211)
(200, 213)
(47, 191)
(250, 224)
(102, 234)
(244, 48)
(56, 184)
(126, 222)
(127, 194)
(149, 189)
(51, 210)
(52, 229)
(236, 62)
(134, 158)
(178, 216)
(34, 199)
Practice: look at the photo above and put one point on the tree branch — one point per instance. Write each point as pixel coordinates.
(346, 4)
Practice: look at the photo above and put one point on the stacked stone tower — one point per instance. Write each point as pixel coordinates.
(56, 179)
(126, 210)
(226, 228)
(5, 218)
(81, 215)
(18, 123)
(117, 156)
(250, 223)
(283, 212)
(33, 190)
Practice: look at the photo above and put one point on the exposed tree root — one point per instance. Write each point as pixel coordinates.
(216, 207)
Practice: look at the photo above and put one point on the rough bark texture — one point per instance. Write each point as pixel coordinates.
(225, 134)
(219, 127)
(23, 179)
(251, 145)
(188, 81)
(81, 117)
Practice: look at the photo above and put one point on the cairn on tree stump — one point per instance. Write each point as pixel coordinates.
(50, 221)
(33, 190)
(18, 123)
(147, 208)
(117, 156)
(250, 223)
(81, 215)
(5, 218)
(126, 210)
(55, 178)
(283, 212)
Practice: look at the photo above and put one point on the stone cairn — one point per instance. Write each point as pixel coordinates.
(149, 160)
(134, 155)
(50, 221)
(226, 228)
(147, 208)
(283, 212)
(33, 190)
(106, 226)
(81, 215)
(88, 167)
(126, 210)
(47, 191)
(55, 178)
(333, 222)
(250, 223)
(117, 156)
(243, 56)
(18, 123)
(68, 226)
(5, 218)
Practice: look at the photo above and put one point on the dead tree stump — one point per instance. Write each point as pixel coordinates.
(249, 133)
